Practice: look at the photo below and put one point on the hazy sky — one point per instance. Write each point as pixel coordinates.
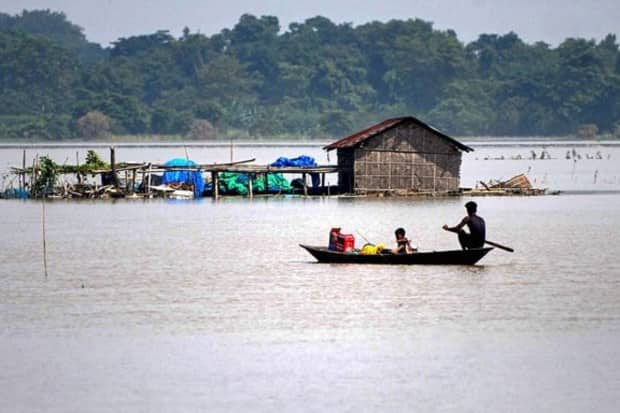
(550, 21)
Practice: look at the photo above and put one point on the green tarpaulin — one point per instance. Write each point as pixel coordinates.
(238, 183)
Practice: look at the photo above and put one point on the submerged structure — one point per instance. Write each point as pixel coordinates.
(399, 155)
(178, 178)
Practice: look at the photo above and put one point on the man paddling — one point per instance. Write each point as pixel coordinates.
(477, 230)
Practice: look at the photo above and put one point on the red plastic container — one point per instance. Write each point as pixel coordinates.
(345, 242)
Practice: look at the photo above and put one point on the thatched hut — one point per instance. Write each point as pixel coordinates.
(400, 155)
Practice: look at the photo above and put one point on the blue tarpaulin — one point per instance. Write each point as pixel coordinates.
(184, 177)
(300, 161)
(14, 193)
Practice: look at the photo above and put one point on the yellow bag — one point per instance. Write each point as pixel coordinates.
(370, 249)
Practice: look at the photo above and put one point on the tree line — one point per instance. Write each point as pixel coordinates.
(315, 79)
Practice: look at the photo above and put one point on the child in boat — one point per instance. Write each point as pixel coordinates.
(403, 246)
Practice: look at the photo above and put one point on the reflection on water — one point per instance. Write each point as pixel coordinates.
(125, 262)
(166, 306)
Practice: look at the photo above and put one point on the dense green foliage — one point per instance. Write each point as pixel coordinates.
(315, 79)
(46, 177)
(54, 26)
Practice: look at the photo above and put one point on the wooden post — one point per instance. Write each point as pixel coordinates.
(112, 161)
(77, 166)
(323, 183)
(143, 180)
(44, 237)
(303, 177)
(215, 182)
(250, 186)
(148, 182)
(133, 181)
(33, 177)
(113, 167)
(23, 174)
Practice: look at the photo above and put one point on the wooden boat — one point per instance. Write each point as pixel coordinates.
(451, 257)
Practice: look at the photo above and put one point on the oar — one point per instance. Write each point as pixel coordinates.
(500, 246)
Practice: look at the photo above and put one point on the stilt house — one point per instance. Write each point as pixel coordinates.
(401, 155)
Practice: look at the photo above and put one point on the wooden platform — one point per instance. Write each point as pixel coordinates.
(145, 170)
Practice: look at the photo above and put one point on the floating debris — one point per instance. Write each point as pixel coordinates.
(517, 185)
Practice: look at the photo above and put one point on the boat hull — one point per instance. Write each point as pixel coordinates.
(451, 257)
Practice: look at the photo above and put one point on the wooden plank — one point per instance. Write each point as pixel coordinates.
(258, 169)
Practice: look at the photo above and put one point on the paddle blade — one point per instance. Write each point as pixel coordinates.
(500, 246)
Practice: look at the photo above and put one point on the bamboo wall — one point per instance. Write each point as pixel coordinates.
(407, 158)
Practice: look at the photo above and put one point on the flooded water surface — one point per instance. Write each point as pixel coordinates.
(212, 306)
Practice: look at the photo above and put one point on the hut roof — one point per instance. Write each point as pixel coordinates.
(358, 137)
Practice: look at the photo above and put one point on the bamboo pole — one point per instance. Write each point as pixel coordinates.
(23, 175)
(44, 237)
(33, 176)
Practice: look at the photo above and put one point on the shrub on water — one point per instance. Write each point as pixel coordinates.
(46, 177)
